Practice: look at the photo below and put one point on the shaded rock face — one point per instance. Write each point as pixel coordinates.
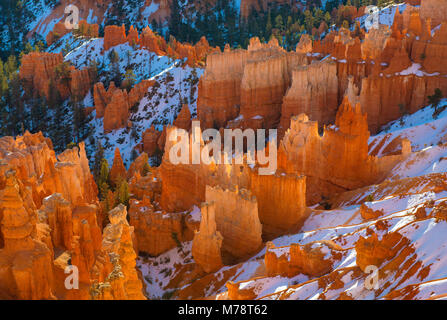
(116, 113)
(183, 120)
(338, 160)
(138, 166)
(114, 35)
(58, 213)
(38, 245)
(150, 140)
(37, 69)
(102, 97)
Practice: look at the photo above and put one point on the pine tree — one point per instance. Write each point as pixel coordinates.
(123, 193)
(116, 74)
(97, 163)
(146, 169)
(435, 99)
(103, 179)
(175, 20)
(279, 24)
(3, 80)
(129, 79)
(268, 26)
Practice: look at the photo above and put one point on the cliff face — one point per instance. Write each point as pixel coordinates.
(247, 83)
(314, 91)
(38, 69)
(435, 10)
(150, 139)
(155, 230)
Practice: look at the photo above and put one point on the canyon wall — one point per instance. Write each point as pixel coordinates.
(246, 86)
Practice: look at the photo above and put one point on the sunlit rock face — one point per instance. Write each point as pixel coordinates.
(50, 219)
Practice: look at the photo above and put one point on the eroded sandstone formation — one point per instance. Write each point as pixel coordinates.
(118, 172)
(246, 86)
(117, 242)
(50, 224)
(237, 220)
(26, 269)
(374, 250)
(394, 70)
(336, 161)
(313, 259)
(150, 139)
(314, 91)
(156, 231)
(281, 196)
(39, 73)
(207, 244)
(114, 104)
(194, 54)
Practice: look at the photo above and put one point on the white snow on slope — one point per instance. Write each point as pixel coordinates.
(159, 107)
(386, 15)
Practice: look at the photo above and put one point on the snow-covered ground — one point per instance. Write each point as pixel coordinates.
(159, 107)
(384, 16)
(428, 136)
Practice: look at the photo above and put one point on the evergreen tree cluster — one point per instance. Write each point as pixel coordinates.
(221, 24)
